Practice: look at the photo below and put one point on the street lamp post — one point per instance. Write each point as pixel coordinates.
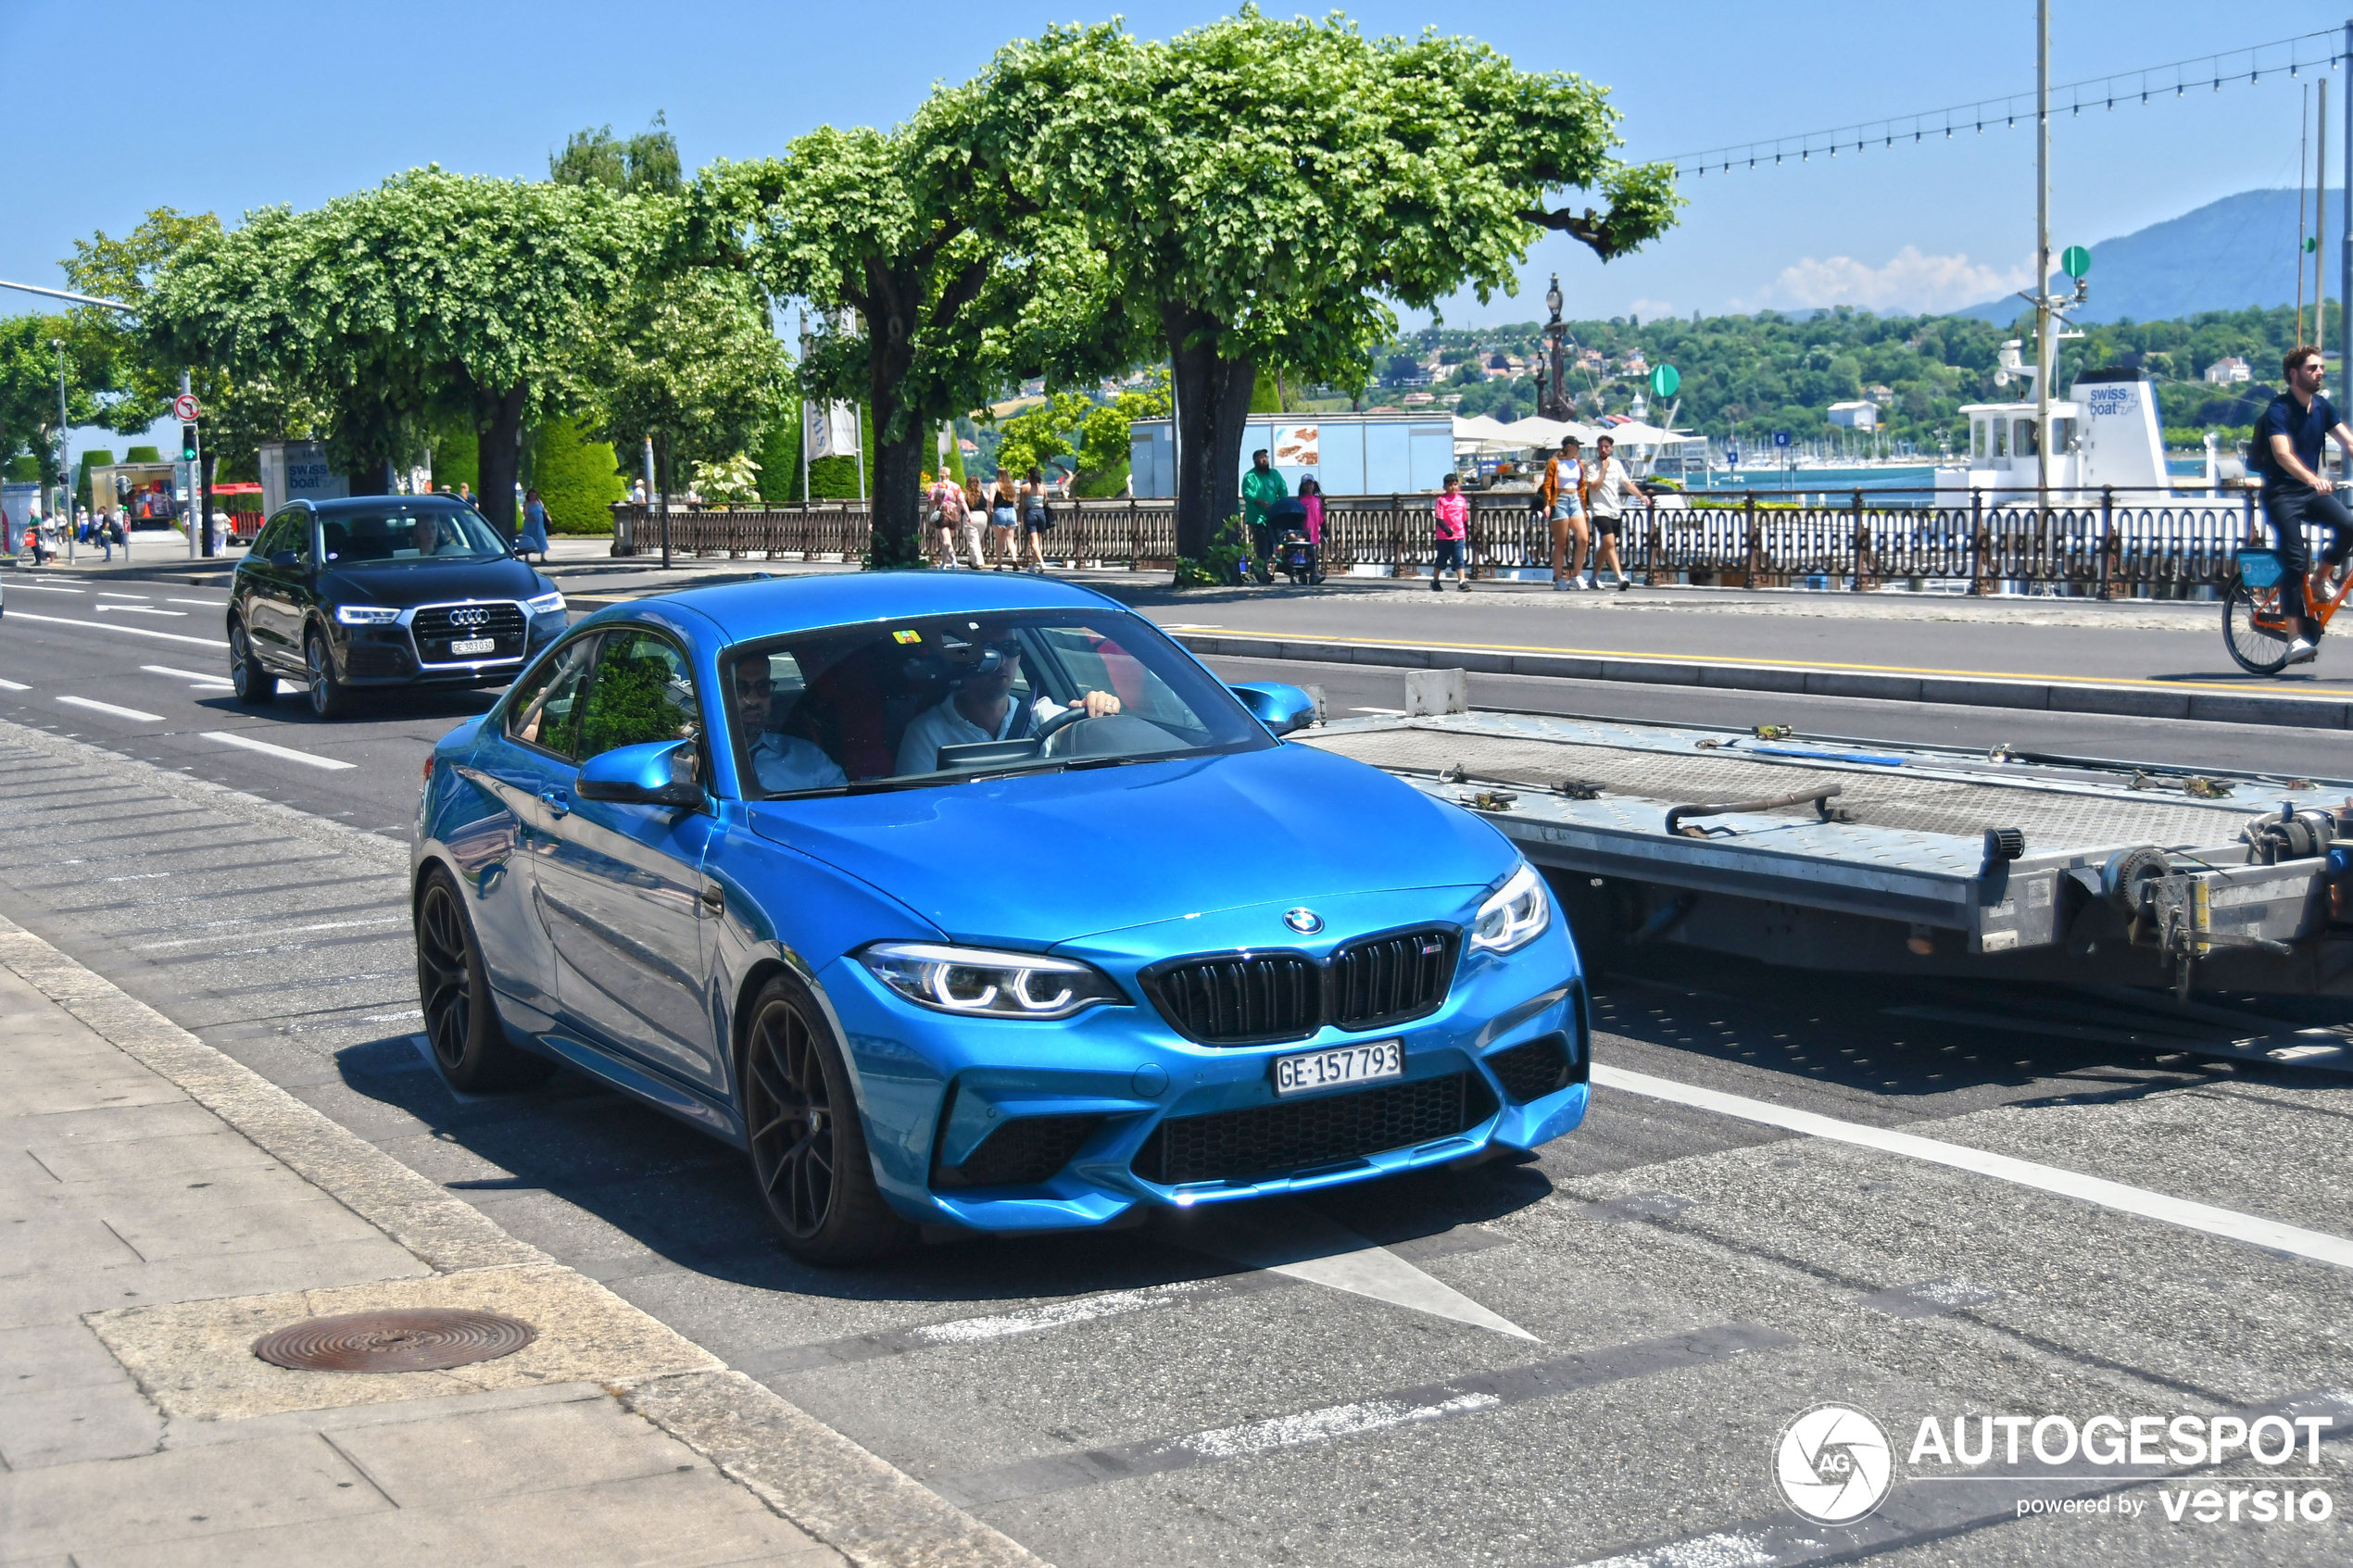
(65, 481)
(1553, 395)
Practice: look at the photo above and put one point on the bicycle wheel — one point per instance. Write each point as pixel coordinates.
(2255, 629)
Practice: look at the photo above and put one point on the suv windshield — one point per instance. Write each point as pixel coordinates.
(409, 534)
(931, 701)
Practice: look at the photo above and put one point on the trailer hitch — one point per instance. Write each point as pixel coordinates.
(1819, 797)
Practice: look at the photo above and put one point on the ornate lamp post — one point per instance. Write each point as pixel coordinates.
(1552, 398)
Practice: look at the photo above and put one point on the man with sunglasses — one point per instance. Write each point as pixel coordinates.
(782, 763)
(2297, 490)
(979, 705)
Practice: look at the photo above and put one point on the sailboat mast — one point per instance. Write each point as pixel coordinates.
(2044, 358)
(2303, 162)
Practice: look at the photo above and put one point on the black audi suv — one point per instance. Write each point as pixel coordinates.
(376, 591)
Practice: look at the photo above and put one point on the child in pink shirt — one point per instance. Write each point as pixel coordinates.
(1454, 534)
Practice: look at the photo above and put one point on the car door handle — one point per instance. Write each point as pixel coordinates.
(714, 900)
(555, 801)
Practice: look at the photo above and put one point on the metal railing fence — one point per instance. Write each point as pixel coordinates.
(2118, 542)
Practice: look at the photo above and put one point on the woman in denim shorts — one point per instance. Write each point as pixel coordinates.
(1565, 478)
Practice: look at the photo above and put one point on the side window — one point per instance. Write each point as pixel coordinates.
(274, 537)
(643, 691)
(546, 710)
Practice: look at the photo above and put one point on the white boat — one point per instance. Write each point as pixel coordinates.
(2104, 434)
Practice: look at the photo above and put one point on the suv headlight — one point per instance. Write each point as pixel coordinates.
(986, 984)
(546, 604)
(1514, 915)
(366, 615)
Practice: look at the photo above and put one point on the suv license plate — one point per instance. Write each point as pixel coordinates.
(474, 645)
(1336, 1069)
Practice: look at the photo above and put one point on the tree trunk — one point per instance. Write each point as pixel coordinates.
(1212, 405)
(499, 419)
(897, 498)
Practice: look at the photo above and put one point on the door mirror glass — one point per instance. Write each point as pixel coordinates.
(656, 773)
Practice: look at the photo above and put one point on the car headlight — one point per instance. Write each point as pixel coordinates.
(366, 615)
(986, 984)
(1514, 915)
(546, 604)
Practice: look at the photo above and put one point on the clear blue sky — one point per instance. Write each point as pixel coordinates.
(246, 103)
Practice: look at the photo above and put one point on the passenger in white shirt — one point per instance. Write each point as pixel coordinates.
(782, 763)
(980, 707)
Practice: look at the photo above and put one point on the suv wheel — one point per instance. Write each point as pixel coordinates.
(254, 684)
(329, 698)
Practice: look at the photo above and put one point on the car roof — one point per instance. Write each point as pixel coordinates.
(773, 606)
(342, 505)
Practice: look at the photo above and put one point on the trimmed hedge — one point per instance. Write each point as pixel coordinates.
(457, 459)
(576, 478)
(142, 455)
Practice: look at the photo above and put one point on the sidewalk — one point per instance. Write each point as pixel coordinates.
(167, 1207)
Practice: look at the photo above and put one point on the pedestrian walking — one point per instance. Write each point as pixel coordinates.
(1609, 487)
(1310, 497)
(1453, 512)
(533, 539)
(951, 515)
(636, 492)
(1001, 517)
(1035, 521)
(1262, 486)
(1564, 500)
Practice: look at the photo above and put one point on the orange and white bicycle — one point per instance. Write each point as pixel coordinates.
(2257, 627)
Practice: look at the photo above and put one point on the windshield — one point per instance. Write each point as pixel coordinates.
(409, 534)
(935, 701)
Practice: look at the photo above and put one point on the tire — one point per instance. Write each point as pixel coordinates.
(330, 698)
(809, 1156)
(2259, 650)
(468, 1044)
(254, 684)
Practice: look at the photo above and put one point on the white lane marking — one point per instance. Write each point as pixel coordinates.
(210, 604)
(1286, 1236)
(1721, 1550)
(48, 588)
(289, 930)
(13, 686)
(1393, 712)
(143, 610)
(111, 593)
(1059, 1314)
(392, 1017)
(97, 707)
(2229, 1224)
(133, 631)
(1324, 1425)
(167, 669)
(140, 876)
(288, 753)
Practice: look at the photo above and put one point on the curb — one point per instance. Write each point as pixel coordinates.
(811, 1475)
(2047, 696)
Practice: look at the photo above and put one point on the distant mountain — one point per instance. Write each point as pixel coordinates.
(2228, 255)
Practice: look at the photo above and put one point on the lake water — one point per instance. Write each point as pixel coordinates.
(1837, 481)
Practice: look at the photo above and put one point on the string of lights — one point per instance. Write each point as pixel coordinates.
(2287, 56)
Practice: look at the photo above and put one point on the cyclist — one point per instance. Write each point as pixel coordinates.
(2297, 490)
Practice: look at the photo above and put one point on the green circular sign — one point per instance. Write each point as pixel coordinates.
(1664, 380)
(2075, 261)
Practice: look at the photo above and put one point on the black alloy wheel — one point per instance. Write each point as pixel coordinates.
(808, 1143)
(328, 697)
(461, 1021)
(253, 684)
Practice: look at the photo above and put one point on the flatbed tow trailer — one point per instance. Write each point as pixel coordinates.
(1904, 860)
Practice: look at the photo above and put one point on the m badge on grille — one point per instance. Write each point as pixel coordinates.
(1305, 921)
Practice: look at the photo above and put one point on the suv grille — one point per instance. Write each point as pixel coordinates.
(1269, 1140)
(436, 626)
(1242, 998)
(1258, 998)
(1023, 1152)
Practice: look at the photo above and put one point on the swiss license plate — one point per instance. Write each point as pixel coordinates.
(474, 645)
(1336, 1069)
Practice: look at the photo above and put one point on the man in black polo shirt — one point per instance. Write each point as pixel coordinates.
(2296, 491)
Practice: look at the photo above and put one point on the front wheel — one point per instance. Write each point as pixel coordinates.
(2256, 629)
(461, 1019)
(328, 697)
(254, 684)
(808, 1141)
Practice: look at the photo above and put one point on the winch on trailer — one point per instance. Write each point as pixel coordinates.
(1838, 854)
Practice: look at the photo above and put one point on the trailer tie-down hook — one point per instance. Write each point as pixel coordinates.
(1819, 796)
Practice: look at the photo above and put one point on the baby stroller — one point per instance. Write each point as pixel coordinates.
(1291, 555)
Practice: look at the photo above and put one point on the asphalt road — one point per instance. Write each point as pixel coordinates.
(1592, 1352)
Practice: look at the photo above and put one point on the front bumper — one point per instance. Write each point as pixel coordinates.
(1018, 1125)
(387, 655)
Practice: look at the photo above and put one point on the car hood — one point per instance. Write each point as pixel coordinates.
(400, 587)
(1045, 858)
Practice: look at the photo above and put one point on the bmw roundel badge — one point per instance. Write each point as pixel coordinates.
(1305, 921)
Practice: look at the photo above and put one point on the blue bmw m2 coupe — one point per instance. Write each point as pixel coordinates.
(980, 903)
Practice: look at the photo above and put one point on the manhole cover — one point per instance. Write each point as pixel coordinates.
(417, 1339)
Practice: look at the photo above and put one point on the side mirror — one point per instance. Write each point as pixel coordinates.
(659, 773)
(1280, 708)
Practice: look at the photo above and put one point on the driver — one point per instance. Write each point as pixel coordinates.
(782, 763)
(979, 705)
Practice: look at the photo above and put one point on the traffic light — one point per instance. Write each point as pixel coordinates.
(187, 443)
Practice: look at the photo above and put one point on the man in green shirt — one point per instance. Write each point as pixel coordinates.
(1262, 486)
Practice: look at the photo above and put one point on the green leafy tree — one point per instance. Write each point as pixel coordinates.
(435, 294)
(576, 478)
(644, 164)
(1257, 189)
(28, 384)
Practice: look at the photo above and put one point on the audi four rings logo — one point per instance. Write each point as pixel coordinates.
(470, 618)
